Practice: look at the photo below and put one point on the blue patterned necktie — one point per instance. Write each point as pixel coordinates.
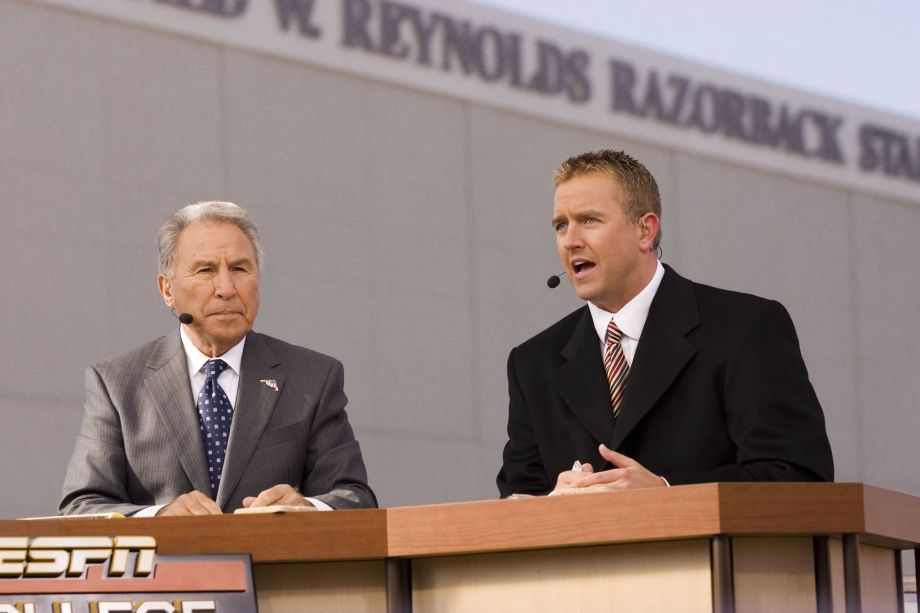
(214, 413)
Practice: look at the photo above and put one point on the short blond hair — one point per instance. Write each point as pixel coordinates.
(638, 186)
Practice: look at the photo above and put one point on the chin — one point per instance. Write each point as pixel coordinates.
(584, 293)
(229, 336)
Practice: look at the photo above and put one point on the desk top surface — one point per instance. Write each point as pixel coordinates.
(879, 516)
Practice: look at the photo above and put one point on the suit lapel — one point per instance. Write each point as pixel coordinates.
(254, 405)
(582, 382)
(167, 387)
(662, 353)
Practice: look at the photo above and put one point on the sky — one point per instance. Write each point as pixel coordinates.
(859, 51)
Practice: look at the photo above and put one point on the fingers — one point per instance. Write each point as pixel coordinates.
(278, 494)
(191, 503)
(608, 477)
(265, 497)
(617, 459)
(627, 474)
(569, 478)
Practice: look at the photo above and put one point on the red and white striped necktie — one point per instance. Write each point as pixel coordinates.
(615, 365)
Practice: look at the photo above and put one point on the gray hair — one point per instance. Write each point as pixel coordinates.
(222, 212)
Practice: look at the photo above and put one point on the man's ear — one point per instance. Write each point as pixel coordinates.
(649, 226)
(165, 288)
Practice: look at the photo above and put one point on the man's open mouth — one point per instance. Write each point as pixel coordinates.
(581, 266)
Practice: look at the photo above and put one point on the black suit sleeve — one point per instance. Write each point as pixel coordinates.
(522, 469)
(771, 411)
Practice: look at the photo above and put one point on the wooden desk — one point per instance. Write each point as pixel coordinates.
(709, 547)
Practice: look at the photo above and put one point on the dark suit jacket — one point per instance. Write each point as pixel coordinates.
(140, 443)
(717, 391)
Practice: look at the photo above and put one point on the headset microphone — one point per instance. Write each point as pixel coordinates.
(553, 281)
(185, 318)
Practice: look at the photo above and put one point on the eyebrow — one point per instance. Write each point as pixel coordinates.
(202, 262)
(588, 213)
(215, 262)
(578, 215)
(242, 260)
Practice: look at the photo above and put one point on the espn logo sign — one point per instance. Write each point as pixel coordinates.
(52, 556)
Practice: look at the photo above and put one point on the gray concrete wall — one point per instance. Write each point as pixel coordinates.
(406, 233)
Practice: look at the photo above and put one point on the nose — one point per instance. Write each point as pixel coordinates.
(224, 287)
(571, 239)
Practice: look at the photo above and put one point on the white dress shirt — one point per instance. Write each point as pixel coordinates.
(229, 380)
(630, 319)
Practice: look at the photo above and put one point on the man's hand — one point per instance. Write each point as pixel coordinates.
(279, 494)
(192, 503)
(573, 478)
(628, 474)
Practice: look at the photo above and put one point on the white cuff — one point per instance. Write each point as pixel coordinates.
(149, 511)
(319, 504)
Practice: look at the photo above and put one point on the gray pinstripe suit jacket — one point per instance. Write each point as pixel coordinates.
(139, 444)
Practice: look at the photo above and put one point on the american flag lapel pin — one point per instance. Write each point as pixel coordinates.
(270, 383)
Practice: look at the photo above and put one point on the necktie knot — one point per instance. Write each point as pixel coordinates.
(213, 369)
(614, 334)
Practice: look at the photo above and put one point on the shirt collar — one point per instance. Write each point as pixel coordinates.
(196, 360)
(631, 318)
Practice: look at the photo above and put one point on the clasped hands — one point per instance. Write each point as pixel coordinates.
(197, 503)
(628, 474)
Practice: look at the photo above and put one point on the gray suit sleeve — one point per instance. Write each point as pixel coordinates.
(334, 471)
(97, 474)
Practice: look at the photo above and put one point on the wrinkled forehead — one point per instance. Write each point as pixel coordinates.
(206, 239)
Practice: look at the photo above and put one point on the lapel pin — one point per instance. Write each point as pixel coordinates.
(270, 383)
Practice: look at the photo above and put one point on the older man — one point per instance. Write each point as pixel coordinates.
(214, 416)
(657, 379)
